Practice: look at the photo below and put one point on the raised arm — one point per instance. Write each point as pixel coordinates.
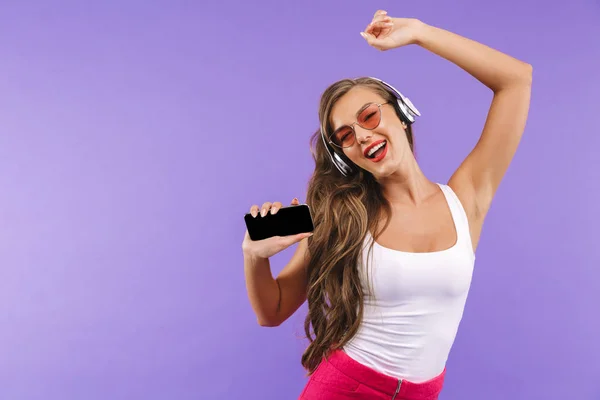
(479, 175)
(509, 79)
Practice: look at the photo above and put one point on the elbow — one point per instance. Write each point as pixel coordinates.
(268, 322)
(520, 79)
(526, 75)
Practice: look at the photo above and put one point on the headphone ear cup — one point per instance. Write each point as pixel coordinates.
(345, 168)
(412, 108)
(407, 108)
(406, 114)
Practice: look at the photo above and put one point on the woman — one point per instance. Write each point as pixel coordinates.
(388, 267)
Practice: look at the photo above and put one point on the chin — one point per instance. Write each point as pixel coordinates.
(384, 173)
(381, 171)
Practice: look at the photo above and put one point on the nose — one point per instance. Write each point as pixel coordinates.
(362, 135)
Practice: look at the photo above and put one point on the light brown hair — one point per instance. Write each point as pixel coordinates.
(344, 209)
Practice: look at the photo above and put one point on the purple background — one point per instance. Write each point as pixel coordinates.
(136, 134)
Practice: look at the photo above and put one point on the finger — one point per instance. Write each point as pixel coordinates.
(295, 202)
(380, 12)
(373, 30)
(254, 210)
(369, 37)
(377, 26)
(372, 41)
(379, 18)
(287, 241)
(265, 208)
(275, 207)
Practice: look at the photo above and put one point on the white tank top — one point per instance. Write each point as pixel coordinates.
(410, 323)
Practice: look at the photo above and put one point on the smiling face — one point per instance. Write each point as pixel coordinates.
(370, 132)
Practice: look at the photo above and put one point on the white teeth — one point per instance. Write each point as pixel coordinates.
(374, 149)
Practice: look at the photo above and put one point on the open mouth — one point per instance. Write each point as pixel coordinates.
(377, 151)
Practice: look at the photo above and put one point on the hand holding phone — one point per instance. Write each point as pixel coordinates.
(273, 228)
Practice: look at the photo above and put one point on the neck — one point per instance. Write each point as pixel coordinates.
(409, 186)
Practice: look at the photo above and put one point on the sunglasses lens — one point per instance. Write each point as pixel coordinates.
(370, 117)
(343, 137)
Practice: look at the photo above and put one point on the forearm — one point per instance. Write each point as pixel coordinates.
(263, 289)
(494, 69)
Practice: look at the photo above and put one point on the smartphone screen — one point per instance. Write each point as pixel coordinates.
(287, 221)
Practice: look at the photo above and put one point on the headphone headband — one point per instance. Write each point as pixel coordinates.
(407, 110)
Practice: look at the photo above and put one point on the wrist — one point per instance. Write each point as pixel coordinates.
(252, 257)
(422, 32)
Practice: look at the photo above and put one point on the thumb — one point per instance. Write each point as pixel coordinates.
(372, 40)
(369, 37)
(296, 238)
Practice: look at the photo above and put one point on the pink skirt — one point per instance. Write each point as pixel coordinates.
(339, 377)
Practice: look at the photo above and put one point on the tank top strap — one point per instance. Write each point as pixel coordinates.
(459, 216)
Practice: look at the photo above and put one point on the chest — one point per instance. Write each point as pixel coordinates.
(397, 276)
(427, 228)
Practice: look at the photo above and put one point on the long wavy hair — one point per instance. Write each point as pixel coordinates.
(344, 210)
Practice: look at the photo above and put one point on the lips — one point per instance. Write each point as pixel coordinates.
(366, 152)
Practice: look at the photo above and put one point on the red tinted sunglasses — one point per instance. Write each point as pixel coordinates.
(368, 118)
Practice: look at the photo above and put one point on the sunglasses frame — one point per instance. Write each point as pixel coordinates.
(351, 126)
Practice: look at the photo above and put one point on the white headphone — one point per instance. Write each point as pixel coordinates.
(408, 114)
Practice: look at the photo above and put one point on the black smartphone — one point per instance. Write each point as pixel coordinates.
(287, 221)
